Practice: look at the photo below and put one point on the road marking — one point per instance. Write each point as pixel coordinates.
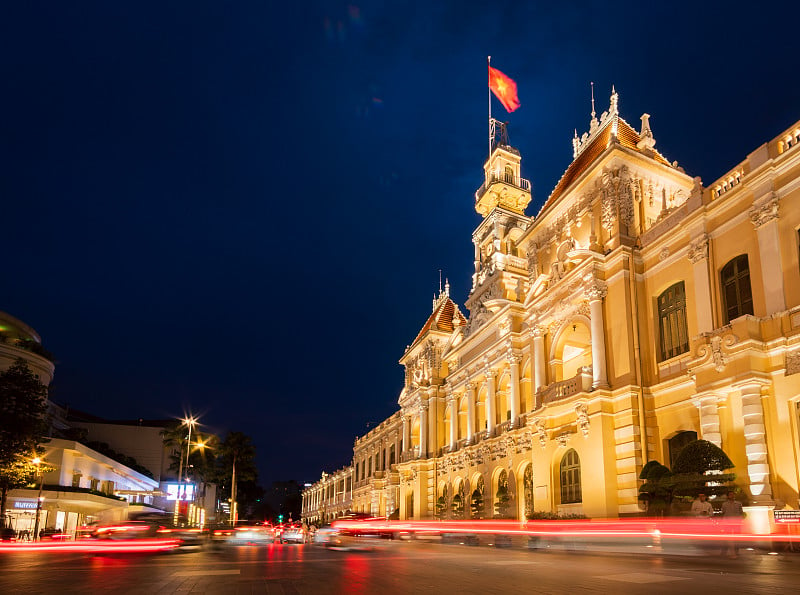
(206, 572)
(641, 577)
(511, 562)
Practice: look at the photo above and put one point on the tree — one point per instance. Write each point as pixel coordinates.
(236, 463)
(457, 505)
(23, 404)
(657, 488)
(502, 502)
(700, 467)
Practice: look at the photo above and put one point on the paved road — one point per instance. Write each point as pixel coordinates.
(401, 567)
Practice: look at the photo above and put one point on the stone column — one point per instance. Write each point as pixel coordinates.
(470, 411)
(709, 419)
(595, 294)
(453, 403)
(406, 435)
(514, 360)
(755, 443)
(765, 219)
(698, 256)
(423, 429)
(491, 401)
(539, 371)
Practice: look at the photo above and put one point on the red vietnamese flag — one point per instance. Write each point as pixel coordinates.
(504, 88)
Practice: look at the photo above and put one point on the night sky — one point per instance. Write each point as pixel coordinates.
(240, 209)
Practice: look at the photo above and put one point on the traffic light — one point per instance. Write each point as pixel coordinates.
(280, 518)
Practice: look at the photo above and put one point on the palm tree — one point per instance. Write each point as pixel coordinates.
(236, 463)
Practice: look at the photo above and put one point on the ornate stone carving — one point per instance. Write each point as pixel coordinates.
(615, 186)
(698, 249)
(582, 413)
(595, 289)
(664, 254)
(792, 362)
(538, 430)
(764, 212)
(714, 349)
(562, 438)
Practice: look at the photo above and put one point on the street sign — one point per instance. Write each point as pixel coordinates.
(787, 516)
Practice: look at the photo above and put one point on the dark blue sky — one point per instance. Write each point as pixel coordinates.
(240, 208)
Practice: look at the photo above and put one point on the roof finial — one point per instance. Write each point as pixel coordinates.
(576, 145)
(593, 112)
(440, 281)
(614, 109)
(447, 287)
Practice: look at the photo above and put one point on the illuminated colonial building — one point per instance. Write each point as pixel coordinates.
(638, 310)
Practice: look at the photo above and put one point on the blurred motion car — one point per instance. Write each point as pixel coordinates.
(293, 534)
(53, 534)
(244, 535)
(151, 526)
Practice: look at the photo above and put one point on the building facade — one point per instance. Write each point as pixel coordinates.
(78, 486)
(329, 498)
(636, 311)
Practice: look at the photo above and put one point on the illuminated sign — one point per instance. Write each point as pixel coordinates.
(26, 504)
(787, 516)
(180, 491)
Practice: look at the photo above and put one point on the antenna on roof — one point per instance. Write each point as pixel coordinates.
(440, 281)
(593, 112)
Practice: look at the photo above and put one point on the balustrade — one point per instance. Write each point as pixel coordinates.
(581, 382)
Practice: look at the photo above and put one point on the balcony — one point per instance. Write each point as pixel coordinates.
(515, 181)
(410, 455)
(503, 427)
(581, 382)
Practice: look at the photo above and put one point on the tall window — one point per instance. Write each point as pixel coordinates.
(672, 321)
(571, 478)
(677, 443)
(508, 173)
(735, 281)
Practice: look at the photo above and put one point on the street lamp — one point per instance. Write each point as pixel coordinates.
(38, 462)
(190, 422)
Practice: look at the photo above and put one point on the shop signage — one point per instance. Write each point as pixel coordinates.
(787, 516)
(27, 504)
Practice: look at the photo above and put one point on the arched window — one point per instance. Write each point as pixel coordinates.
(672, 321)
(736, 294)
(571, 478)
(508, 174)
(676, 444)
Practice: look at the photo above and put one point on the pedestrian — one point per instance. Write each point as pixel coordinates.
(732, 514)
(701, 508)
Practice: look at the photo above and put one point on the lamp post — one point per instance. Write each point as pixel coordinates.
(190, 422)
(38, 462)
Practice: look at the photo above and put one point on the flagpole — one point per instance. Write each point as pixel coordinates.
(489, 65)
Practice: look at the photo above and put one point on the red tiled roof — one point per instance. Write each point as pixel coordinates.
(626, 137)
(441, 320)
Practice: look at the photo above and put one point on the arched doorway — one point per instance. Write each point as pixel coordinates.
(477, 500)
(527, 490)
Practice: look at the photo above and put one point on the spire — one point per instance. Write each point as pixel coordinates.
(593, 123)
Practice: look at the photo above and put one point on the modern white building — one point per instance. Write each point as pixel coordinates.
(79, 486)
